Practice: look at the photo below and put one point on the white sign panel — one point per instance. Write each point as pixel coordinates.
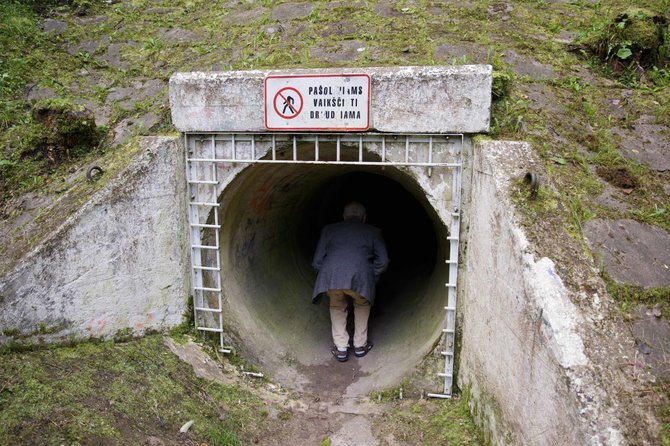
(318, 102)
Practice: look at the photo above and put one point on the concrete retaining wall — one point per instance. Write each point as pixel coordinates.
(523, 358)
(118, 264)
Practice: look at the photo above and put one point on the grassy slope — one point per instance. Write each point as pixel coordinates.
(117, 394)
(570, 139)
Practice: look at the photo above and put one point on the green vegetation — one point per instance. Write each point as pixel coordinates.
(636, 39)
(629, 296)
(117, 393)
(663, 390)
(432, 422)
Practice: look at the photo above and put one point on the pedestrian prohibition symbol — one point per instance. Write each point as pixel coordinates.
(289, 101)
(317, 102)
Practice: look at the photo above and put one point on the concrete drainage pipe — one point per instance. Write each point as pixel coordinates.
(271, 218)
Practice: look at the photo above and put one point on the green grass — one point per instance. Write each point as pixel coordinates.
(629, 296)
(118, 393)
(429, 422)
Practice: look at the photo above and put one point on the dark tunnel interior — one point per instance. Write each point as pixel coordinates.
(271, 220)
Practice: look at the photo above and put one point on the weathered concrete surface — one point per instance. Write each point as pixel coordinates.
(404, 99)
(531, 358)
(652, 337)
(646, 142)
(630, 251)
(118, 264)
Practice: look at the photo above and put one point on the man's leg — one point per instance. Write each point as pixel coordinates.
(361, 315)
(338, 318)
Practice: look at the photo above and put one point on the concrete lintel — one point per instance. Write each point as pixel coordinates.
(455, 99)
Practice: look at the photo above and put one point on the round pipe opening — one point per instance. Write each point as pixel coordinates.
(271, 219)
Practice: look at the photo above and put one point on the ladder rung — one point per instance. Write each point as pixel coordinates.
(453, 285)
(451, 262)
(455, 214)
(445, 375)
(226, 350)
(204, 288)
(448, 330)
(203, 160)
(450, 308)
(211, 310)
(200, 225)
(453, 239)
(202, 203)
(203, 182)
(216, 330)
(204, 247)
(438, 395)
(207, 268)
(447, 353)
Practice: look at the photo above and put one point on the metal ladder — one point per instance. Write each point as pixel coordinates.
(205, 260)
(450, 329)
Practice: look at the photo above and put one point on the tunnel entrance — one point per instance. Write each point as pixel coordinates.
(255, 226)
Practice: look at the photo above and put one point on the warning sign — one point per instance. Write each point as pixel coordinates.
(318, 102)
(289, 101)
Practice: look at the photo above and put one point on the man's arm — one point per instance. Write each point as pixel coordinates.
(320, 252)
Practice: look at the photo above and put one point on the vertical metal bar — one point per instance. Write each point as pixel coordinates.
(383, 149)
(274, 148)
(316, 148)
(454, 236)
(194, 232)
(295, 149)
(213, 170)
(430, 149)
(213, 142)
(217, 274)
(430, 156)
(360, 149)
(406, 148)
(233, 147)
(253, 146)
(338, 148)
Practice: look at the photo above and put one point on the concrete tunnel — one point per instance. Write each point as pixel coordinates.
(271, 219)
(271, 214)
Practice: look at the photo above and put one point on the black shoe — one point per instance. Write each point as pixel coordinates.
(362, 351)
(341, 356)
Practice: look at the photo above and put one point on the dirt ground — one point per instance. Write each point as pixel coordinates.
(323, 415)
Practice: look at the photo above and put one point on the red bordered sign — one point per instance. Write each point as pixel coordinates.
(335, 102)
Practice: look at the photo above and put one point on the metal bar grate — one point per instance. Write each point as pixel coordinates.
(206, 152)
(307, 148)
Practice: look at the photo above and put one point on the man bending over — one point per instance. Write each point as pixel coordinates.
(349, 258)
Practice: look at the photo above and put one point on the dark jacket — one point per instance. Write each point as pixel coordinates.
(350, 255)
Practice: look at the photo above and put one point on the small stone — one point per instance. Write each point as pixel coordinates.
(643, 347)
(154, 441)
(656, 311)
(55, 27)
